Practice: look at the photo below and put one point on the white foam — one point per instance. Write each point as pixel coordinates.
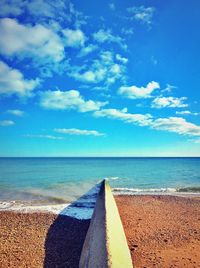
(82, 213)
(24, 208)
(113, 178)
(153, 191)
(81, 209)
(134, 191)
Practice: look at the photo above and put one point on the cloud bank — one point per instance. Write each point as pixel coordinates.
(75, 131)
(134, 92)
(172, 124)
(68, 100)
(12, 82)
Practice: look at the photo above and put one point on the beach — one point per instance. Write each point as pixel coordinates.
(162, 231)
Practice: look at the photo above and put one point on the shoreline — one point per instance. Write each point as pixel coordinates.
(35, 206)
(161, 230)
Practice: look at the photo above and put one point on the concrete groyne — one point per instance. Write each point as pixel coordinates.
(105, 244)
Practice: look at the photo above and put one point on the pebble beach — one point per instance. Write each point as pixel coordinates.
(162, 231)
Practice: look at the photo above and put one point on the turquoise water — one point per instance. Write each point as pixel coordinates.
(65, 179)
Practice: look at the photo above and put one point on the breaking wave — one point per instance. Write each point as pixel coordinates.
(138, 191)
(81, 209)
(133, 191)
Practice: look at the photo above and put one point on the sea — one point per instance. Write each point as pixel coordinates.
(55, 183)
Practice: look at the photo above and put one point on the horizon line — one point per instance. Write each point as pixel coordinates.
(148, 156)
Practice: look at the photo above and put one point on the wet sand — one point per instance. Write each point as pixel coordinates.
(161, 232)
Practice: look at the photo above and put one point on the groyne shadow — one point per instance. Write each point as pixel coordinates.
(66, 235)
(64, 242)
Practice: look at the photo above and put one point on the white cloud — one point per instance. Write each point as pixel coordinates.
(162, 102)
(106, 57)
(94, 75)
(128, 31)
(123, 115)
(42, 8)
(172, 124)
(15, 112)
(142, 14)
(121, 59)
(28, 41)
(37, 8)
(112, 6)
(75, 131)
(44, 11)
(6, 123)
(134, 92)
(168, 88)
(12, 7)
(186, 113)
(68, 100)
(154, 60)
(178, 125)
(104, 69)
(115, 69)
(75, 16)
(74, 38)
(50, 137)
(87, 50)
(103, 36)
(12, 82)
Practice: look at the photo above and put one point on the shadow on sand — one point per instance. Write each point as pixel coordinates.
(65, 237)
(64, 242)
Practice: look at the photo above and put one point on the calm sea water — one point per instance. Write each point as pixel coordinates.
(65, 179)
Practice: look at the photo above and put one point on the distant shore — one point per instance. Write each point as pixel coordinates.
(162, 231)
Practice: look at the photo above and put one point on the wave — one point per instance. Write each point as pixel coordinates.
(42, 197)
(113, 178)
(133, 191)
(138, 191)
(195, 189)
(31, 196)
(81, 209)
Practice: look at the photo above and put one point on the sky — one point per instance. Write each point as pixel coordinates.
(99, 78)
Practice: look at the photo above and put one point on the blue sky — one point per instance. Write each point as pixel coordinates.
(99, 78)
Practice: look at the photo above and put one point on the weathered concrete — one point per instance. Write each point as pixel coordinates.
(105, 245)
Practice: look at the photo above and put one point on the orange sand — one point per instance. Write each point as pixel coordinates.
(161, 232)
